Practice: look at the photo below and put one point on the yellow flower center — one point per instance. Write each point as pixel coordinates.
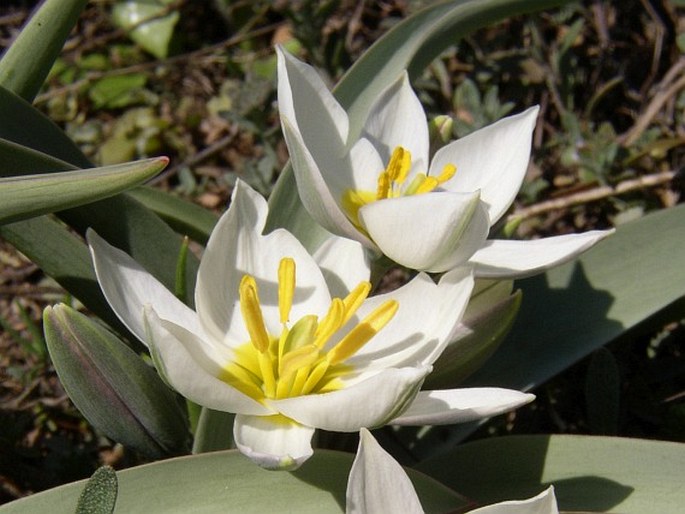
(391, 184)
(296, 361)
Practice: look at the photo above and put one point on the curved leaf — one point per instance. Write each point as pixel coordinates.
(30, 195)
(27, 62)
(228, 482)
(588, 473)
(576, 308)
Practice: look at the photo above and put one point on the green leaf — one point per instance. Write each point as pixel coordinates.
(112, 386)
(184, 217)
(19, 160)
(63, 256)
(99, 496)
(589, 473)
(228, 482)
(412, 45)
(116, 91)
(30, 195)
(27, 62)
(27, 126)
(572, 310)
(154, 35)
(602, 393)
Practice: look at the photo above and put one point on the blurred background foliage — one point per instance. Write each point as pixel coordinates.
(196, 81)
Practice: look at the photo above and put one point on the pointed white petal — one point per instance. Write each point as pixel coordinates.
(431, 232)
(344, 264)
(378, 483)
(427, 316)
(316, 192)
(306, 102)
(128, 288)
(370, 403)
(366, 167)
(493, 160)
(397, 118)
(543, 503)
(235, 248)
(448, 406)
(273, 442)
(191, 366)
(515, 259)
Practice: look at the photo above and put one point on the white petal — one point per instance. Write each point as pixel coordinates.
(493, 160)
(273, 442)
(370, 403)
(366, 166)
(543, 503)
(190, 365)
(306, 102)
(378, 483)
(427, 316)
(448, 406)
(316, 192)
(235, 248)
(430, 232)
(515, 259)
(344, 264)
(396, 119)
(128, 288)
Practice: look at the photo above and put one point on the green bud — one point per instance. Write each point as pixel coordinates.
(112, 386)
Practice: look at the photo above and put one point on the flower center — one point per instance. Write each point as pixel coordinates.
(391, 184)
(296, 361)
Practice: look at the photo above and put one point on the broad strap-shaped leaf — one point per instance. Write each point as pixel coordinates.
(576, 308)
(25, 125)
(31, 195)
(183, 216)
(227, 481)
(26, 63)
(589, 473)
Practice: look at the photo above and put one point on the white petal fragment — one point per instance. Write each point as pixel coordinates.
(444, 407)
(396, 119)
(369, 403)
(273, 442)
(543, 503)
(128, 288)
(344, 264)
(516, 259)
(378, 483)
(430, 232)
(190, 366)
(493, 160)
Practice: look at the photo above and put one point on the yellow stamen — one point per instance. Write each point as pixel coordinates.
(448, 171)
(252, 313)
(294, 362)
(286, 287)
(362, 333)
(428, 185)
(331, 322)
(353, 300)
(384, 182)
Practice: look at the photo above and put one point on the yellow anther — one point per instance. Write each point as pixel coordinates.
(252, 313)
(405, 166)
(330, 323)
(354, 300)
(286, 287)
(266, 367)
(362, 333)
(384, 183)
(428, 185)
(448, 171)
(315, 375)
